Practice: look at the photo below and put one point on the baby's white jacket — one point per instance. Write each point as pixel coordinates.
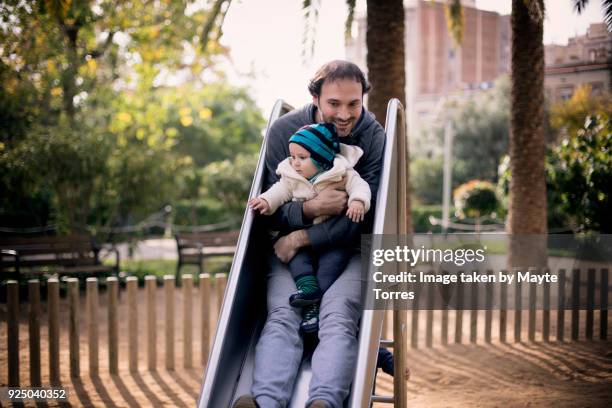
(293, 186)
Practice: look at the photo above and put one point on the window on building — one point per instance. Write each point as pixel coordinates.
(597, 88)
(565, 92)
(592, 55)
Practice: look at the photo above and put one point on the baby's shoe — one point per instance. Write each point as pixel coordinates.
(310, 322)
(302, 298)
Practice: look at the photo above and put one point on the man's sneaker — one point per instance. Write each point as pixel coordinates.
(317, 404)
(310, 322)
(245, 401)
(301, 299)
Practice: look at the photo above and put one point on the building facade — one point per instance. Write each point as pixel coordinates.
(586, 59)
(436, 68)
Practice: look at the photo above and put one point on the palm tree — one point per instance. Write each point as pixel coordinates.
(606, 5)
(386, 62)
(527, 207)
(385, 57)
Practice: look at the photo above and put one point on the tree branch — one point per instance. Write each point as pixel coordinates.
(99, 51)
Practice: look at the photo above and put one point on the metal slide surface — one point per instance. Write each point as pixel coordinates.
(230, 364)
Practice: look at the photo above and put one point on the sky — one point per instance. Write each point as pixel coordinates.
(265, 41)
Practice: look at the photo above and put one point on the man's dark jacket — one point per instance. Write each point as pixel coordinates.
(368, 134)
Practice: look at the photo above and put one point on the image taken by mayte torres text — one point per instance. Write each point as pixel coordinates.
(470, 271)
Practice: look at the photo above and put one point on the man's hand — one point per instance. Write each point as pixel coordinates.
(355, 211)
(259, 204)
(330, 201)
(286, 247)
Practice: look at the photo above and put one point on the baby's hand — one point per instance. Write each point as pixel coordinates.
(259, 204)
(355, 211)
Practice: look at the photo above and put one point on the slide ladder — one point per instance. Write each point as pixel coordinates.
(229, 371)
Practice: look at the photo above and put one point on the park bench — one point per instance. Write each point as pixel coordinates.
(192, 248)
(61, 255)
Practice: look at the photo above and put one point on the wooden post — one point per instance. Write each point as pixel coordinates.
(503, 310)
(546, 310)
(532, 306)
(399, 352)
(150, 288)
(603, 305)
(187, 321)
(12, 300)
(132, 300)
(169, 295)
(414, 331)
(221, 283)
(430, 315)
(575, 303)
(561, 306)
(34, 330)
(518, 312)
(205, 316)
(444, 329)
(73, 326)
(459, 313)
(92, 323)
(590, 303)
(488, 310)
(385, 326)
(113, 325)
(474, 313)
(53, 302)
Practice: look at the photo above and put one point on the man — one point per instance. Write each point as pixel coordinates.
(337, 91)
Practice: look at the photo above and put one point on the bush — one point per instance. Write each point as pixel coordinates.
(202, 212)
(578, 178)
(228, 182)
(579, 171)
(476, 199)
(420, 218)
(426, 177)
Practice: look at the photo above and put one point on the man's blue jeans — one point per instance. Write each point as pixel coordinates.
(279, 351)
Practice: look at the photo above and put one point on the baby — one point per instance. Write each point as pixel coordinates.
(316, 160)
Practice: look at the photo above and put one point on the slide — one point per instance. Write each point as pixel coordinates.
(243, 314)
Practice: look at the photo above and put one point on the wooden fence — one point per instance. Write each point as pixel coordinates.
(590, 285)
(135, 339)
(581, 295)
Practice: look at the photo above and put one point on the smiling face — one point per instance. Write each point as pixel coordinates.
(340, 103)
(301, 162)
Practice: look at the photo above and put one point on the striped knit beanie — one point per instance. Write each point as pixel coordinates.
(320, 140)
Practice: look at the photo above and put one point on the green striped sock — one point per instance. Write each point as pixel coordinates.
(307, 284)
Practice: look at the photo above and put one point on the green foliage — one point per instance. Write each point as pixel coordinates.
(580, 172)
(475, 199)
(90, 132)
(426, 177)
(420, 218)
(481, 134)
(161, 267)
(568, 117)
(480, 128)
(229, 182)
(205, 211)
(556, 218)
(578, 178)
(455, 17)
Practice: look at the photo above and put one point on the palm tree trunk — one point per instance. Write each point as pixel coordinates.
(385, 59)
(527, 209)
(386, 65)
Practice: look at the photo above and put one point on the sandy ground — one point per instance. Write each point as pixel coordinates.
(539, 374)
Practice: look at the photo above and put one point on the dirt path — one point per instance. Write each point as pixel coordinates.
(509, 375)
(517, 375)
